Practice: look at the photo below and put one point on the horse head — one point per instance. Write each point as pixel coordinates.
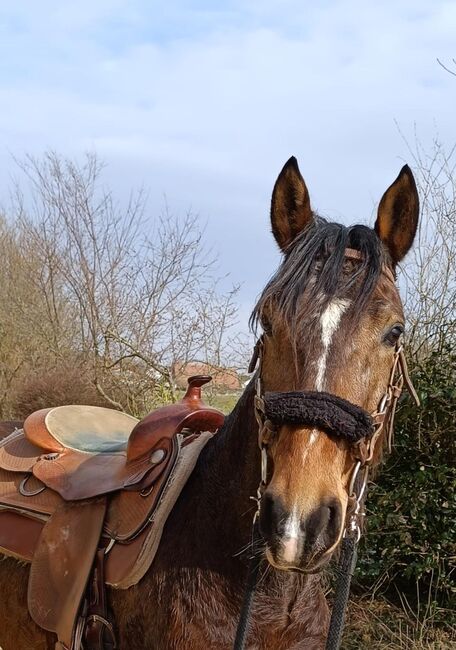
(332, 322)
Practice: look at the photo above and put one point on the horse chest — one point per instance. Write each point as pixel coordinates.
(198, 610)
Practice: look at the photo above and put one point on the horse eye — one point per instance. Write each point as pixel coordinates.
(394, 334)
(267, 328)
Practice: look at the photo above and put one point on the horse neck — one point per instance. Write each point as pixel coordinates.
(228, 475)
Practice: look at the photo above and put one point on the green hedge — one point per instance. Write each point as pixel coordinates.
(410, 541)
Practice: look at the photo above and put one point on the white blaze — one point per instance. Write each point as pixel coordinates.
(329, 321)
(290, 537)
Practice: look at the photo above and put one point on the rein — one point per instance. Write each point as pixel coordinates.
(336, 417)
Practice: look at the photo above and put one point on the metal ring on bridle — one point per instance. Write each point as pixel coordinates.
(353, 479)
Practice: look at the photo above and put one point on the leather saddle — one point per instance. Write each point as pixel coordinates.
(84, 494)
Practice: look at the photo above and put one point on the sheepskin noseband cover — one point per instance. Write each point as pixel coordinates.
(333, 414)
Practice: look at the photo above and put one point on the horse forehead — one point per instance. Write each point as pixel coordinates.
(389, 294)
(330, 318)
(330, 326)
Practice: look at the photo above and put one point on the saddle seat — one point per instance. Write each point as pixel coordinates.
(85, 451)
(90, 429)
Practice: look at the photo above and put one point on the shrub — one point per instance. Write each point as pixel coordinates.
(411, 513)
(45, 387)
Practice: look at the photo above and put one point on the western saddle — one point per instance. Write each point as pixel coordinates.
(84, 494)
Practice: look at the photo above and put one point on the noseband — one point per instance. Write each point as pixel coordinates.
(336, 416)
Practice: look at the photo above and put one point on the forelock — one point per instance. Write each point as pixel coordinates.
(312, 274)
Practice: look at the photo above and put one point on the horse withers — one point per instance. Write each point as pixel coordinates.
(332, 319)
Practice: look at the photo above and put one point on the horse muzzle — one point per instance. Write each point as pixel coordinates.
(304, 541)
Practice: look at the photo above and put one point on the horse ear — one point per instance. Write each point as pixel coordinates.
(290, 204)
(397, 217)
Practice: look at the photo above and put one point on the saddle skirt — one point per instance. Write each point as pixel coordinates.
(69, 488)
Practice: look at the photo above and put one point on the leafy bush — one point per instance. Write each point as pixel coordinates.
(411, 512)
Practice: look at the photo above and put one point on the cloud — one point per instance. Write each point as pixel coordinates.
(205, 105)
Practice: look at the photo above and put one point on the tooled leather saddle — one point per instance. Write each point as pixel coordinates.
(84, 494)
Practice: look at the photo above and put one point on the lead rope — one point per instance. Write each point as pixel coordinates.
(252, 578)
(347, 563)
(254, 563)
(346, 569)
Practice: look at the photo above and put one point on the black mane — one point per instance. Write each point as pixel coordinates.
(314, 271)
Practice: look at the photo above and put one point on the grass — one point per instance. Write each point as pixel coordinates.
(225, 402)
(379, 625)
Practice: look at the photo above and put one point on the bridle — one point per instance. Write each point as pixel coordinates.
(362, 449)
(362, 441)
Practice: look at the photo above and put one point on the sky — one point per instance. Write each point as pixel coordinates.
(203, 102)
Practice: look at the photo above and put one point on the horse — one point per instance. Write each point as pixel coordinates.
(331, 318)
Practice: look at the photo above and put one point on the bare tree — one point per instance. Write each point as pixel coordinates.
(26, 333)
(430, 272)
(446, 68)
(133, 296)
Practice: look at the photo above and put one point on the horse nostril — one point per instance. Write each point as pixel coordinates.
(334, 520)
(266, 514)
(323, 522)
(272, 515)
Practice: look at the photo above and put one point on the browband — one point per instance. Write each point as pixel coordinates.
(353, 254)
